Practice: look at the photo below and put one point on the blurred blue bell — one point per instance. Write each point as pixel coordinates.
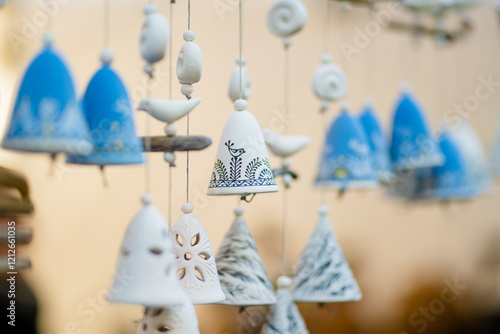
(379, 148)
(345, 160)
(412, 144)
(495, 154)
(107, 107)
(46, 117)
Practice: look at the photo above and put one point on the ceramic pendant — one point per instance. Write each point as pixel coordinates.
(195, 259)
(147, 263)
(242, 274)
(284, 146)
(168, 111)
(345, 161)
(242, 166)
(284, 316)
(323, 274)
(109, 115)
(189, 64)
(46, 117)
(412, 144)
(180, 319)
(234, 85)
(329, 82)
(154, 35)
(286, 17)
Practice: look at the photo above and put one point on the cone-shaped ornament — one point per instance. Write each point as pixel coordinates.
(345, 160)
(147, 263)
(242, 274)
(195, 259)
(179, 319)
(323, 274)
(284, 316)
(242, 165)
(46, 117)
(412, 144)
(110, 119)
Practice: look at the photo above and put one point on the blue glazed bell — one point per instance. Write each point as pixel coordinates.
(46, 117)
(107, 107)
(412, 144)
(379, 148)
(345, 160)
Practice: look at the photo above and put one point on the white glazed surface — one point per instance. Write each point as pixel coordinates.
(168, 111)
(284, 146)
(286, 17)
(154, 38)
(189, 63)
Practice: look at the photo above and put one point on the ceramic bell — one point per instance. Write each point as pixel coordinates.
(345, 161)
(323, 274)
(412, 144)
(46, 117)
(110, 119)
(284, 316)
(286, 17)
(189, 64)
(179, 319)
(241, 166)
(329, 82)
(472, 150)
(379, 148)
(195, 259)
(234, 85)
(154, 35)
(146, 273)
(242, 274)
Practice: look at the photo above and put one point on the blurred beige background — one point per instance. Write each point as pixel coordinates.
(394, 248)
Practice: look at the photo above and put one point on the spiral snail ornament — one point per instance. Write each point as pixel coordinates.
(286, 17)
(234, 85)
(189, 64)
(329, 82)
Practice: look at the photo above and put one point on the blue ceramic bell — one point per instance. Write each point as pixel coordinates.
(345, 160)
(412, 144)
(379, 148)
(107, 107)
(46, 117)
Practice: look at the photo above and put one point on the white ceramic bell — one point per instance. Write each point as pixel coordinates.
(234, 85)
(323, 274)
(179, 319)
(286, 17)
(284, 146)
(242, 274)
(189, 64)
(167, 111)
(284, 316)
(242, 166)
(146, 271)
(154, 35)
(329, 81)
(195, 259)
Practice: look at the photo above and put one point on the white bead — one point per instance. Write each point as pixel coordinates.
(345, 105)
(107, 56)
(287, 162)
(405, 87)
(322, 209)
(169, 157)
(187, 89)
(48, 38)
(171, 129)
(188, 35)
(240, 105)
(187, 208)
(329, 82)
(238, 211)
(324, 105)
(148, 69)
(284, 282)
(370, 102)
(286, 17)
(287, 42)
(150, 9)
(147, 199)
(241, 61)
(326, 58)
(189, 63)
(287, 180)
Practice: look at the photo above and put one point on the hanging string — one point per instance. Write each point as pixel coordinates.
(106, 25)
(147, 168)
(170, 195)
(189, 14)
(241, 47)
(187, 121)
(170, 98)
(326, 36)
(286, 91)
(283, 232)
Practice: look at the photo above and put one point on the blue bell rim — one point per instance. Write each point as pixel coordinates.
(243, 190)
(47, 145)
(347, 184)
(419, 162)
(106, 159)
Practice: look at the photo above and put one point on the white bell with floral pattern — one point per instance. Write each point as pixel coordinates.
(195, 259)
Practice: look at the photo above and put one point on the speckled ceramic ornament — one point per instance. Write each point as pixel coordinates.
(284, 146)
(379, 148)
(234, 85)
(179, 319)
(189, 64)
(412, 144)
(242, 274)
(146, 271)
(323, 274)
(109, 115)
(286, 17)
(154, 35)
(329, 82)
(471, 148)
(345, 160)
(242, 166)
(284, 316)
(46, 117)
(195, 259)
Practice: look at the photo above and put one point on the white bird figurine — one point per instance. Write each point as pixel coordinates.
(284, 146)
(168, 111)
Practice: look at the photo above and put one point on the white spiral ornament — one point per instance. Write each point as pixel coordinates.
(154, 36)
(329, 82)
(286, 17)
(189, 64)
(234, 85)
